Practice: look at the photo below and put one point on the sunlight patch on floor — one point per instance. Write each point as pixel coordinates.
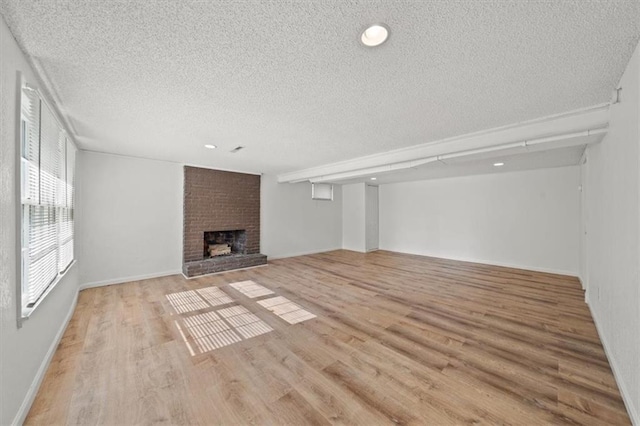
(186, 301)
(210, 332)
(251, 289)
(220, 327)
(286, 309)
(215, 296)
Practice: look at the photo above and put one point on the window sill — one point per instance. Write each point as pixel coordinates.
(26, 312)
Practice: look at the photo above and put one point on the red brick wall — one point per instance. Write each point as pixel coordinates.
(215, 200)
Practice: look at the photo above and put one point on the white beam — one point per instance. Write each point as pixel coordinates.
(543, 130)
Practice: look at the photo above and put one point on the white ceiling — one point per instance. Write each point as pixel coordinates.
(289, 81)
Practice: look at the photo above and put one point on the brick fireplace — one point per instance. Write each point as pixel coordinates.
(221, 209)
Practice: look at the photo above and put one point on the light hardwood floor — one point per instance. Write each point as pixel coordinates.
(397, 339)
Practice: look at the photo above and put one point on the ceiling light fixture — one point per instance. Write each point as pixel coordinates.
(210, 146)
(498, 164)
(375, 35)
(374, 178)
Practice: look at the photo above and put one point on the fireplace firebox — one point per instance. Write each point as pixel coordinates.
(221, 243)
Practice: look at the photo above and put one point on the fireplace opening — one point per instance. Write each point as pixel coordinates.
(224, 243)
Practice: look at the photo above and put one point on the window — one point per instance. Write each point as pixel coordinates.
(47, 199)
(322, 191)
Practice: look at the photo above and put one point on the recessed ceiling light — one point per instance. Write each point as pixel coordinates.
(210, 146)
(375, 35)
(374, 178)
(498, 164)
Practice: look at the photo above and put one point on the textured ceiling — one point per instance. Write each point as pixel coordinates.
(290, 82)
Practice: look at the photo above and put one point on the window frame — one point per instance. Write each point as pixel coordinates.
(63, 206)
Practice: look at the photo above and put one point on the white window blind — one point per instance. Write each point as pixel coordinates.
(42, 261)
(48, 159)
(30, 113)
(65, 222)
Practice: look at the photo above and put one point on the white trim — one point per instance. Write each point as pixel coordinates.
(593, 117)
(223, 272)
(27, 312)
(303, 253)
(573, 274)
(127, 279)
(519, 147)
(626, 396)
(37, 380)
(586, 298)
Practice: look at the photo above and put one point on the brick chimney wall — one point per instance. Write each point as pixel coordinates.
(216, 200)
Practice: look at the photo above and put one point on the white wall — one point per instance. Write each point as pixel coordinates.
(526, 219)
(583, 224)
(132, 218)
(131, 222)
(24, 352)
(293, 224)
(353, 217)
(372, 218)
(612, 184)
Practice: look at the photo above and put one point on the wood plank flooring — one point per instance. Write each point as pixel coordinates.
(398, 339)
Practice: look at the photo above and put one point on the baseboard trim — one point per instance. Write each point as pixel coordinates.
(631, 409)
(492, 263)
(584, 288)
(581, 282)
(302, 253)
(42, 370)
(127, 279)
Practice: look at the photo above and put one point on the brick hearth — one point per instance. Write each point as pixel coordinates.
(222, 263)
